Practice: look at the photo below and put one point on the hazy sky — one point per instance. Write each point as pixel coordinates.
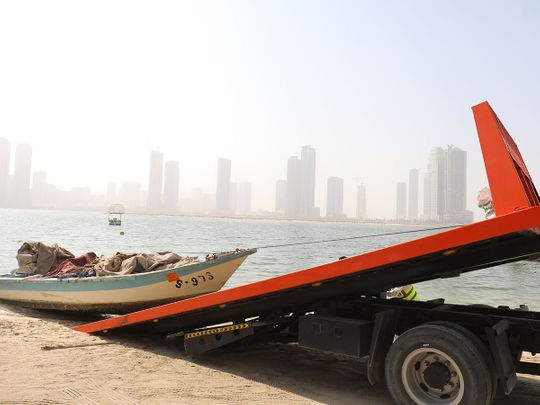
(372, 85)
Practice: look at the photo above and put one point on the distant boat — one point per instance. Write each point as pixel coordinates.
(115, 214)
(123, 293)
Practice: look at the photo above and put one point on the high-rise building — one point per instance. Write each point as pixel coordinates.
(456, 180)
(307, 182)
(21, 176)
(300, 186)
(435, 186)
(413, 194)
(294, 170)
(155, 182)
(171, 187)
(445, 186)
(456, 186)
(281, 196)
(5, 149)
(401, 201)
(243, 206)
(361, 205)
(334, 198)
(111, 193)
(223, 186)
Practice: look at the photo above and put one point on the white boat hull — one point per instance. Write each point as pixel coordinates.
(120, 293)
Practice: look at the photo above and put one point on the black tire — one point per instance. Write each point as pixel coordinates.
(482, 348)
(436, 364)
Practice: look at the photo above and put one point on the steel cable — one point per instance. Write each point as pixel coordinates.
(373, 235)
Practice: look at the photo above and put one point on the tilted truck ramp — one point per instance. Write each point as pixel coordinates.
(512, 235)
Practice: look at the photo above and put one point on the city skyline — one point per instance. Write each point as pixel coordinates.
(444, 192)
(165, 176)
(13, 155)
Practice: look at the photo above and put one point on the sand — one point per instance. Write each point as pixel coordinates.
(43, 361)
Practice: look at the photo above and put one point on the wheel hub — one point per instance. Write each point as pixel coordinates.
(431, 376)
(437, 375)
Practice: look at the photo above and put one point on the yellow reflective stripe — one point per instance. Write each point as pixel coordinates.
(215, 330)
(414, 297)
(408, 292)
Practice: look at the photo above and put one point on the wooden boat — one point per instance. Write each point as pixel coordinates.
(118, 294)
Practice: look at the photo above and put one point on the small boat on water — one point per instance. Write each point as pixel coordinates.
(123, 293)
(115, 214)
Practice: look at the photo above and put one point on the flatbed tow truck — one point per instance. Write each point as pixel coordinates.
(428, 352)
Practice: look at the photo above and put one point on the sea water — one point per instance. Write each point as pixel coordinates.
(79, 232)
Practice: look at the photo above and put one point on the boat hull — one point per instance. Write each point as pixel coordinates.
(118, 294)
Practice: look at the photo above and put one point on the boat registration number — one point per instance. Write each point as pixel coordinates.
(195, 280)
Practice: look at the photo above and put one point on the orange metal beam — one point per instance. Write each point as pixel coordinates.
(511, 185)
(479, 231)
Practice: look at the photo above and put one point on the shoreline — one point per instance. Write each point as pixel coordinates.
(374, 221)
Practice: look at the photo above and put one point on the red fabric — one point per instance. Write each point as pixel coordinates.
(74, 265)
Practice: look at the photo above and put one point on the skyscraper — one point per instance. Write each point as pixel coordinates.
(361, 205)
(171, 187)
(223, 186)
(334, 198)
(456, 186)
(401, 201)
(21, 176)
(294, 170)
(435, 186)
(413, 194)
(5, 148)
(307, 182)
(155, 182)
(456, 182)
(300, 186)
(281, 196)
(445, 186)
(243, 206)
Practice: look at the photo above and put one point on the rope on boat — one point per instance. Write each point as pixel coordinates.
(373, 235)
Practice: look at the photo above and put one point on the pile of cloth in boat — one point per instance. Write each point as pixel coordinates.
(37, 260)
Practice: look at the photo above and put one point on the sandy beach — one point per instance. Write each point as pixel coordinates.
(43, 361)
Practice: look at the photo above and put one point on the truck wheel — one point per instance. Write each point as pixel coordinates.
(482, 348)
(435, 364)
